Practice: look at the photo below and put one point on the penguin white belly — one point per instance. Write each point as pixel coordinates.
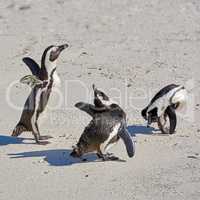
(104, 146)
(108, 146)
(56, 80)
(37, 102)
(56, 85)
(44, 116)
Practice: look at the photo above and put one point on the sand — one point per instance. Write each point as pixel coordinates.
(130, 49)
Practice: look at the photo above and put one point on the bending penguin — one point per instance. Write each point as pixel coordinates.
(107, 126)
(163, 107)
(42, 80)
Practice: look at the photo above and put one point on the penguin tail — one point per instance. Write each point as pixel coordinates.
(18, 130)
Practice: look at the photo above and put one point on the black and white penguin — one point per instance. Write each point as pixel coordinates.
(42, 80)
(163, 106)
(107, 126)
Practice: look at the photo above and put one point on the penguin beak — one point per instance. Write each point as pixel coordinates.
(76, 152)
(54, 54)
(62, 47)
(95, 90)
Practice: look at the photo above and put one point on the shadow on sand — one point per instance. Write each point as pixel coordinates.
(61, 157)
(139, 129)
(6, 140)
(57, 157)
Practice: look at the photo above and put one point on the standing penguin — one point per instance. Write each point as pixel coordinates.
(42, 80)
(107, 126)
(163, 106)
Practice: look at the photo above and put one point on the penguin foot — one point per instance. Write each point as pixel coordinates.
(45, 137)
(42, 142)
(107, 157)
(109, 154)
(112, 158)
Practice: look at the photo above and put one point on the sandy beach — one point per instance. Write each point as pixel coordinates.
(130, 49)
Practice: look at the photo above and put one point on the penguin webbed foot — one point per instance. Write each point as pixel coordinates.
(107, 157)
(42, 142)
(45, 137)
(37, 140)
(112, 158)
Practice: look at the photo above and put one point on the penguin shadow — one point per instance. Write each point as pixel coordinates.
(6, 140)
(141, 130)
(57, 157)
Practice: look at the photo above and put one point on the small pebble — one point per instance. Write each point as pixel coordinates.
(26, 7)
(129, 85)
(147, 71)
(194, 157)
(62, 135)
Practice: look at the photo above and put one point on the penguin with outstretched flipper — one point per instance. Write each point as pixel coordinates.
(107, 126)
(42, 80)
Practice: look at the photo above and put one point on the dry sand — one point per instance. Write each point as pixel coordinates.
(136, 47)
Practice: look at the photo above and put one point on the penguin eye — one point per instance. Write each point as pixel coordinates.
(101, 95)
(53, 55)
(104, 97)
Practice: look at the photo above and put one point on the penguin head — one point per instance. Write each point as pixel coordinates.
(76, 152)
(50, 56)
(152, 114)
(101, 99)
(144, 113)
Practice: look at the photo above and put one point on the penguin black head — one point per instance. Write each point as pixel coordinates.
(76, 152)
(100, 98)
(55, 52)
(151, 116)
(144, 113)
(49, 57)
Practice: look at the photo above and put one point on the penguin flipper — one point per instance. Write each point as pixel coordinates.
(32, 65)
(18, 130)
(99, 109)
(85, 107)
(130, 145)
(30, 80)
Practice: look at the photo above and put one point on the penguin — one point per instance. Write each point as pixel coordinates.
(164, 104)
(107, 126)
(42, 80)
